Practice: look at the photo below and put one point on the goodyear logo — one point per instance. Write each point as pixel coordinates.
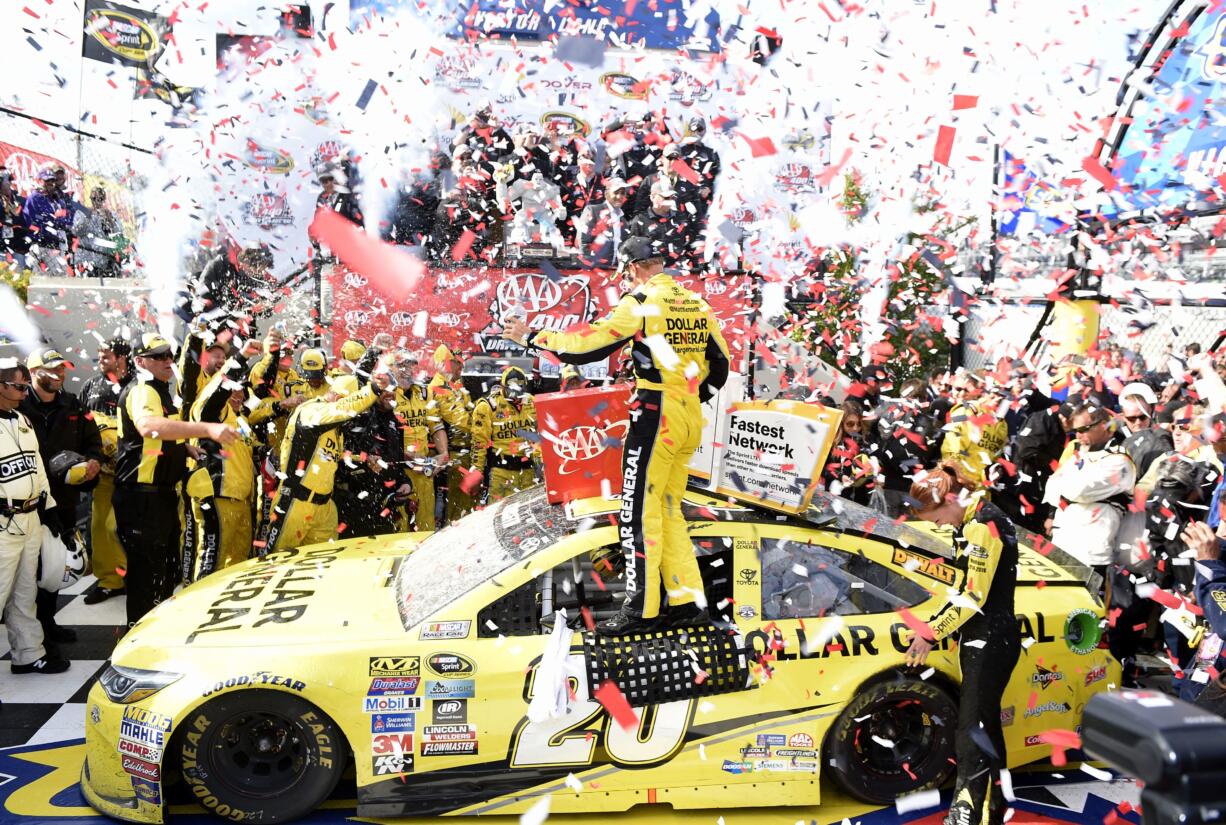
(623, 85)
(395, 665)
(123, 34)
(924, 566)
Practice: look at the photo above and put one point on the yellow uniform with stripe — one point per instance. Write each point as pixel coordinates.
(107, 553)
(313, 446)
(455, 406)
(420, 419)
(221, 490)
(498, 443)
(267, 381)
(974, 438)
(680, 358)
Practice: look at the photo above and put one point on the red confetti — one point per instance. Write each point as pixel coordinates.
(945, 145)
(614, 701)
(965, 102)
(1100, 173)
(388, 268)
(460, 251)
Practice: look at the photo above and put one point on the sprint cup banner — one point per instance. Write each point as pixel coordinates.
(774, 451)
(119, 34)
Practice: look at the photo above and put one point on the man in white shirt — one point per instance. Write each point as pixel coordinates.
(24, 492)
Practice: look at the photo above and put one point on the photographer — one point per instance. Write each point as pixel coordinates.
(1207, 684)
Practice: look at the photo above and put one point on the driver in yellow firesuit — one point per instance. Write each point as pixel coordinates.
(499, 423)
(680, 359)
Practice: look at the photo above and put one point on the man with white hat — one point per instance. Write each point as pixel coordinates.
(1146, 441)
(61, 424)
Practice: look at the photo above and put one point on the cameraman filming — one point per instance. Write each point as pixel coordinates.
(1206, 686)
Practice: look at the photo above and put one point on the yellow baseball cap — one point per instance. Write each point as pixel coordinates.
(344, 385)
(352, 350)
(442, 355)
(312, 363)
(45, 358)
(151, 344)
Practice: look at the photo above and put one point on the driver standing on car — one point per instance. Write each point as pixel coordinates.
(680, 359)
(981, 613)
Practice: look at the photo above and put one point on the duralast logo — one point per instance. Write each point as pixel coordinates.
(450, 664)
(1044, 677)
(623, 85)
(123, 34)
(395, 665)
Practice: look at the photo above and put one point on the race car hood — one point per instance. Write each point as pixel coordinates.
(337, 591)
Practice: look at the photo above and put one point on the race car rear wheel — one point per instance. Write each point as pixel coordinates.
(893, 738)
(260, 755)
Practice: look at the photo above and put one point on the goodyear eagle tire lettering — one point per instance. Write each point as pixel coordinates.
(260, 756)
(902, 742)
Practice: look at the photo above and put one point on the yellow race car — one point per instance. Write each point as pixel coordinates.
(455, 675)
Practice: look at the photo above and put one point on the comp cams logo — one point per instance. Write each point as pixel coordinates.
(584, 442)
(123, 34)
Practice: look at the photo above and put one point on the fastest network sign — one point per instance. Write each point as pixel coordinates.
(774, 451)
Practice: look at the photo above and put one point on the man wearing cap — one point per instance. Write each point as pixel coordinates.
(455, 407)
(351, 353)
(422, 426)
(664, 178)
(24, 492)
(152, 460)
(62, 425)
(500, 423)
(1146, 441)
(663, 225)
(100, 396)
(49, 212)
(314, 446)
(680, 359)
(602, 226)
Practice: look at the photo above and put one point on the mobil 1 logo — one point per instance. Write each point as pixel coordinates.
(449, 711)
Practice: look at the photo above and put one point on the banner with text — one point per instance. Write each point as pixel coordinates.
(774, 452)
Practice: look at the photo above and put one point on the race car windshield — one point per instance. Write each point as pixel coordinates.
(834, 511)
(473, 550)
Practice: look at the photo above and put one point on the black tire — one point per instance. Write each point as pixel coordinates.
(916, 719)
(260, 755)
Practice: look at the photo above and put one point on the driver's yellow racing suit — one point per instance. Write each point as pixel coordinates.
(499, 427)
(680, 359)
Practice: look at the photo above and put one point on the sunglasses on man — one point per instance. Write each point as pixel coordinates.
(16, 385)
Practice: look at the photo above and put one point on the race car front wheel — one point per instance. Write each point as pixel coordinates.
(260, 756)
(893, 738)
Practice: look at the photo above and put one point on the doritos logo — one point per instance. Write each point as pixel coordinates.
(123, 34)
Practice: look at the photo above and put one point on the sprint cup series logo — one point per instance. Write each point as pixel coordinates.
(123, 34)
(623, 85)
(566, 123)
(584, 442)
(274, 161)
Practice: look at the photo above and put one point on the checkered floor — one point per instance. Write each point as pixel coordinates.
(38, 708)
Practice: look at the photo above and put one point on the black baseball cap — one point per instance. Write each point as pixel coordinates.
(637, 248)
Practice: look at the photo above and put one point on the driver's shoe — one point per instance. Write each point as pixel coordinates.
(625, 622)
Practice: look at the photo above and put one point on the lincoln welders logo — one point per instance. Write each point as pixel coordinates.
(584, 442)
(123, 34)
(623, 85)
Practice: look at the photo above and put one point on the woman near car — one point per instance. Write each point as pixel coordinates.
(981, 614)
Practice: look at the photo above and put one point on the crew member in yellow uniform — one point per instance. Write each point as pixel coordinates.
(975, 435)
(455, 406)
(422, 428)
(500, 422)
(304, 512)
(680, 359)
(221, 489)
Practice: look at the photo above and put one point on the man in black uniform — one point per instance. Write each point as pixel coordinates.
(372, 477)
(152, 460)
(62, 425)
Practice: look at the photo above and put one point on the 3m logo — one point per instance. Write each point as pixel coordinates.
(395, 665)
(585, 442)
(389, 743)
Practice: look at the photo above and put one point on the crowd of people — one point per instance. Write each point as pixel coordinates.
(1108, 461)
(551, 188)
(49, 231)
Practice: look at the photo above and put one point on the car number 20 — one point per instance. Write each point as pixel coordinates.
(571, 739)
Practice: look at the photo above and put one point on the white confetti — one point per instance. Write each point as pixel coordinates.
(1097, 773)
(918, 801)
(537, 814)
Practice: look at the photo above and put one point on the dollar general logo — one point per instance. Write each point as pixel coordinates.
(123, 34)
(395, 665)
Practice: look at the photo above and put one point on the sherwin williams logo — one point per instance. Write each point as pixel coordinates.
(123, 34)
(623, 85)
